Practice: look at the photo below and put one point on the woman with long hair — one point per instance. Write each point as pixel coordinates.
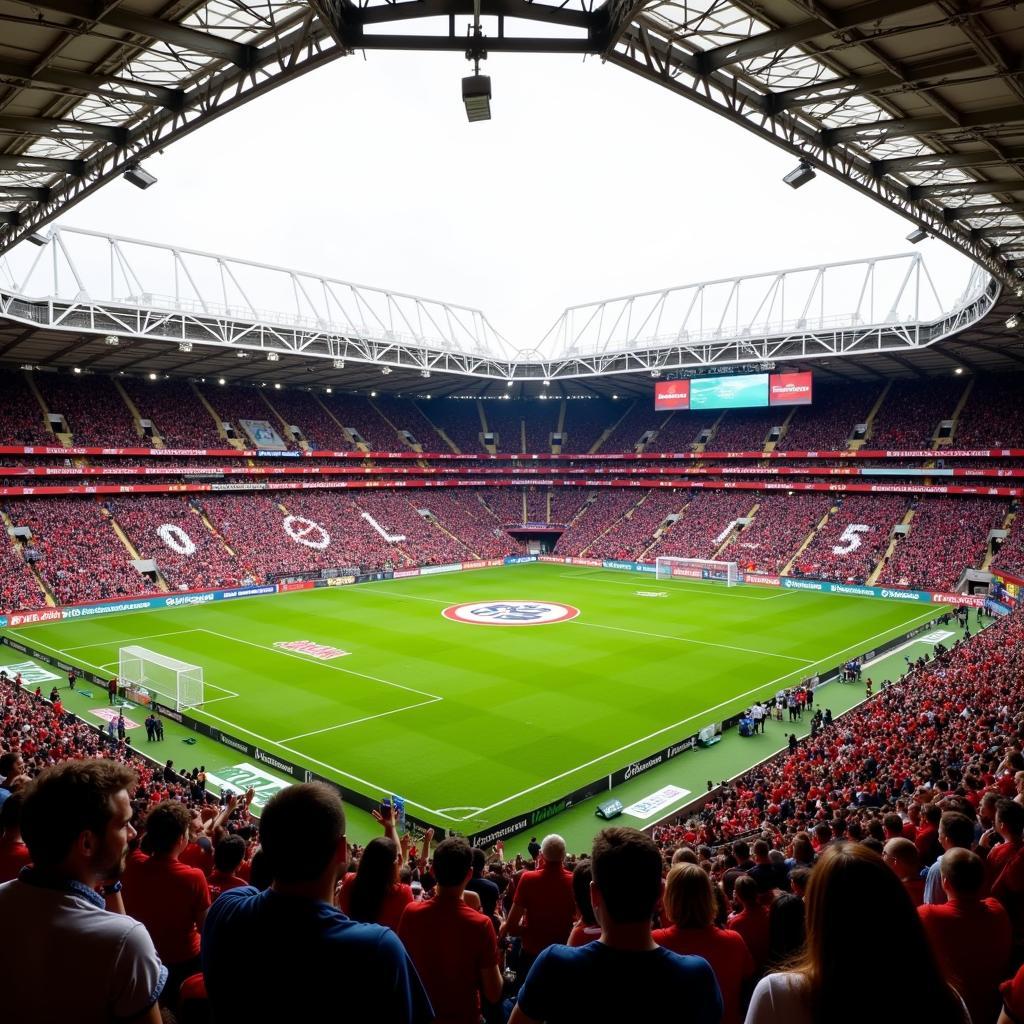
(689, 904)
(857, 908)
(586, 929)
(373, 893)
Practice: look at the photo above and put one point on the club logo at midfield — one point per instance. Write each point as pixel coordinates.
(511, 613)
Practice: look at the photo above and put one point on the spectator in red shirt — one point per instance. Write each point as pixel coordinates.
(452, 946)
(689, 905)
(970, 936)
(544, 908)
(373, 893)
(14, 853)
(228, 855)
(586, 929)
(751, 921)
(927, 839)
(901, 856)
(168, 897)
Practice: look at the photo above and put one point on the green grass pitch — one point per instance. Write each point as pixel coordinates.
(471, 723)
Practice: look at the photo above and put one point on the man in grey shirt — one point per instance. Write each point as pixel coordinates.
(66, 908)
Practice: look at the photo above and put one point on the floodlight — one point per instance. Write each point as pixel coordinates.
(655, 373)
(77, 369)
(221, 380)
(277, 386)
(509, 383)
(338, 364)
(37, 238)
(112, 340)
(476, 94)
(1013, 321)
(917, 235)
(184, 346)
(373, 394)
(138, 177)
(272, 357)
(424, 374)
(385, 370)
(329, 390)
(959, 370)
(800, 175)
(152, 376)
(241, 355)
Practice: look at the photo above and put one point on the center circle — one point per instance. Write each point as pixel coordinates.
(511, 613)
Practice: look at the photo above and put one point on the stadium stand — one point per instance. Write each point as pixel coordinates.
(680, 431)
(635, 422)
(536, 504)
(358, 412)
(912, 411)
(302, 409)
(541, 420)
(848, 547)
(179, 416)
(505, 503)
(1011, 555)
(459, 419)
(233, 405)
(566, 504)
(505, 418)
(170, 531)
(828, 424)
(991, 416)
(777, 530)
(599, 515)
(463, 514)
(406, 415)
(21, 419)
(704, 525)
(18, 586)
(745, 431)
(585, 421)
(92, 408)
(947, 535)
(80, 556)
(633, 534)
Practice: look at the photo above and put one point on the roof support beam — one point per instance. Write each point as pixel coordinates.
(783, 38)
(103, 85)
(907, 126)
(154, 28)
(942, 161)
(40, 126)
(29, 164)
(37, 195)
(965, 188)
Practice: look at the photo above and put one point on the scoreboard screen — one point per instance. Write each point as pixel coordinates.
(744, 391)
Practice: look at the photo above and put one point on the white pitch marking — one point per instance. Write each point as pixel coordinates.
(322, 664)
(356, 721)
(685, 586)
(689, 640)
(757, 689)
(127, 643)
(321, 764)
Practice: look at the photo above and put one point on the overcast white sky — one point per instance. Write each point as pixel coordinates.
(588, 183)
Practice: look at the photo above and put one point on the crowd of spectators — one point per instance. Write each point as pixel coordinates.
(779, 527)
(463, 513)
(585, 421)
(425, 543)
(359, 413)
(631, 535)
(170, 531)
(912, 412)
(947, 535)
(680, 431)
(541, 421)
(848, 547)
(302, 409)
(506, 503)
(236, 404)
(566, 503)
(1011, 553)
(459, 419)
(79, 556)
(505, 420)
(537, 504)
(406, 415)
(18, 587)
(178, 415)
(94, 411)
(704, 525)
(990, 417)
(635, 421)
(21, 419)
(745, 431)
(604, 511)
(828, 423)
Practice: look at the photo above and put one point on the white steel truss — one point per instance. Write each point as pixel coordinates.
(87, 282)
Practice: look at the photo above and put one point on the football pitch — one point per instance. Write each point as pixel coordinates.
(478, 714)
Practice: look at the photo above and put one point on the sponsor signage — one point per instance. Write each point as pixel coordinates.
(790, 388)
(430, 570)
(240, 777)
(650, 805)
(321, 651)
(672, 394)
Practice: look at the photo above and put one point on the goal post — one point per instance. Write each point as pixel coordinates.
(667, 567)
(179, 683)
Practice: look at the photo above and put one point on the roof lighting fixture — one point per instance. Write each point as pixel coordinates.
(184, 346)
(112, 340)
(385, 370)
(272, 357)
(338, 364)
(800, 175)
(138, 177)
(1013, 321)
(329, 390)
(509, 383)
(917, 235)
(77, 369)
(655, 373)
(425, 374)
(221, 380)
(959, 370)
(241, 354)
(152, 376)
(373, 394)
(476, 88)
(277, 385)
(37, 238)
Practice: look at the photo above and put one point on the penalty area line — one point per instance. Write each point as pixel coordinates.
(356, 721)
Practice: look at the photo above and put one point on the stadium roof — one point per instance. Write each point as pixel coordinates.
(919, 105)
(104, 303)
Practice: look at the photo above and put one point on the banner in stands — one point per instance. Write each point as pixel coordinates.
(234, 453)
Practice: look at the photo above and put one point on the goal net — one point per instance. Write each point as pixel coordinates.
(177, 682)
(668, 567)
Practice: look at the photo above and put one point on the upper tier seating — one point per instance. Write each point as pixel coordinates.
(178, 415)
(92, 408)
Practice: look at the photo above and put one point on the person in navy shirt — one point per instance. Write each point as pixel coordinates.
(625, 975)
(287, 953)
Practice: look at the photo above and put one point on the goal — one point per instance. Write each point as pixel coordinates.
(177, 682)
(667, 567)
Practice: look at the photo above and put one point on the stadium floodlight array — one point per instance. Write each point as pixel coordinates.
(177, 682)
(667, 567)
